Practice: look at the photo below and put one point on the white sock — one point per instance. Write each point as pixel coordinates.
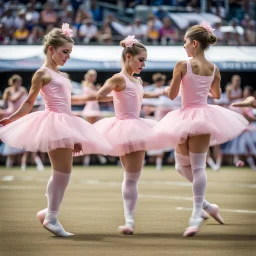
(251, 162)
(55, 191)
(39, 163)
(182, 165)
(56, 187)
(9, 162)
(130, 195)
(87, 160)
(159, 163)
(211, 163)
(199, 181)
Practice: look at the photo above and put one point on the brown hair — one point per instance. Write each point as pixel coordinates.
(56, 39)
(136, 49)
(204, 37)
(13, 79)
(157, 77)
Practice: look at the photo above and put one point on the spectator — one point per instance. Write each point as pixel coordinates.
(218, 33)
(138, 29)
(20, 20)
(168, 34)
(152, 33)
(8, 22)
(48, 16)
(88, 32)
(35, 35)
(21, 34)
(233, 90)
(106, 34)
(250, 33)
(32, 16)
(66, 17)
(96, 11)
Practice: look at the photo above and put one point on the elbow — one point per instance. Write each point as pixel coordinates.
(172, 96)
(217, 96)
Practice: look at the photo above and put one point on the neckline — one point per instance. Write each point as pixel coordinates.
(200, 75)
(137, 82)
(55, 71)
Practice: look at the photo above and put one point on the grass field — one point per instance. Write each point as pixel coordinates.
(92, 210)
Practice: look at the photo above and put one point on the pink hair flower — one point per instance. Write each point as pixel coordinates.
(130, 41)
(207, 26)
(66, 30)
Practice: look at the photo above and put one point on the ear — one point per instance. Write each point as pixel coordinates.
(128, 56)
(50, 48)
(195, 43)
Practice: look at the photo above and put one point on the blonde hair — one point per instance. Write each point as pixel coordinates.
(204, 37)
(89, 73)
(55, 38)
(136, 49)
(13, 79)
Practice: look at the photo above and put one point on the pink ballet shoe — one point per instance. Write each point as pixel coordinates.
(214, 212)
(190, 231)
(126, 230)
(41, 215)
(204, 215)
(193, 229)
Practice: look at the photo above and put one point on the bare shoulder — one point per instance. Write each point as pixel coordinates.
(41, 76)
(117, 79)
(7, 90)
(181, 67)
(217, 71)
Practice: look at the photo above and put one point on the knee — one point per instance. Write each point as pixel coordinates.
(132, 176)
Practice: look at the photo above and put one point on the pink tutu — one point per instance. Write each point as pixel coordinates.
(91, 109)
(128, 135)
(47, 130)
(178, 125)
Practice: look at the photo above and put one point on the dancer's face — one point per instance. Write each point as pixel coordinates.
(61, 54)
(188, 46)
(137, 62)
(17, 84)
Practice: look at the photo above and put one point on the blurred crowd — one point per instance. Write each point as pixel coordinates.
(106, 22)
(241, 148)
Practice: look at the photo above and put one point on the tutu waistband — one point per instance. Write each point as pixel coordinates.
(125, 117)
(60, 111)
(196, 106)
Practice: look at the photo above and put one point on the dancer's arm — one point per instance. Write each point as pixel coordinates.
(116, 83)
(178, 73)
(153, 94)
(39, 79)
(82, 99)
(248, 102)
(215, 87)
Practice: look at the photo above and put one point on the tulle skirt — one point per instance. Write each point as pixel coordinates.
(222, 124)
(128, 135)
(46, 131)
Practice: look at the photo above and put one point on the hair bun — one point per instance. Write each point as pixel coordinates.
(212, 39)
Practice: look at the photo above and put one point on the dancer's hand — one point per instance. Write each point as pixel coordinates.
(5, 121)
(166, 90)
(77, 148)
(248, 102)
